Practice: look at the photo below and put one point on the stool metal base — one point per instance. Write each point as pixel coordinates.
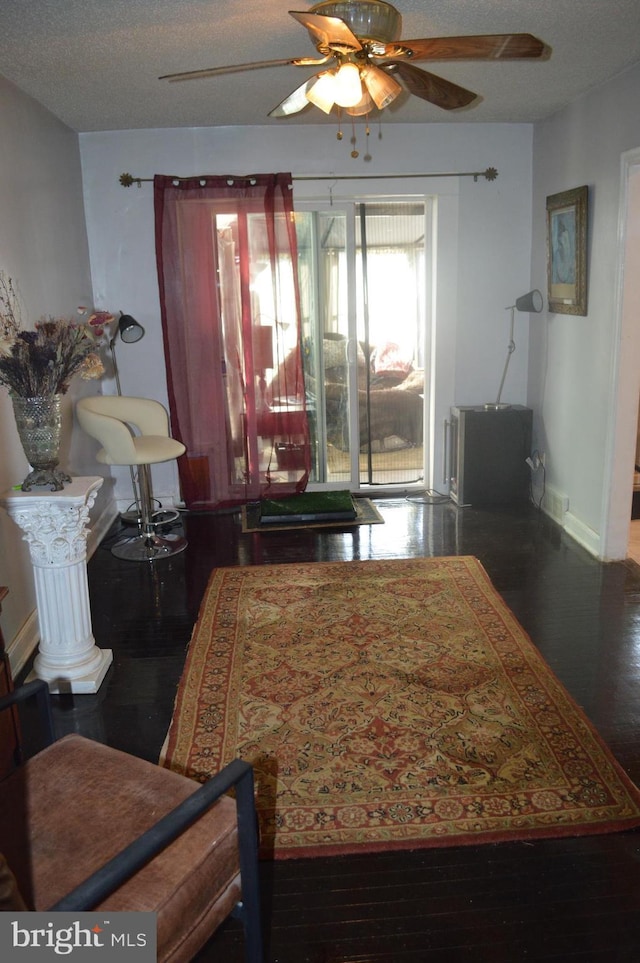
(148, 545)
(159, 518)
(149, 548)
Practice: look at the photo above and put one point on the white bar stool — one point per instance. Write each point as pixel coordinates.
(110, 419)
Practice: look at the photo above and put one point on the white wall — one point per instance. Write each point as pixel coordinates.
(573, 361)
(487, 231)
(43, 247)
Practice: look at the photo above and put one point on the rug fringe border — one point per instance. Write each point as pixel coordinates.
(446, 842)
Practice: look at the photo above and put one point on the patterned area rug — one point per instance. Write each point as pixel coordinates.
(388, 704)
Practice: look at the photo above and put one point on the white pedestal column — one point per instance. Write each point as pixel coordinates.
(55, 526)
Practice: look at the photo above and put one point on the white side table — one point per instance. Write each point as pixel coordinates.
(55, 526)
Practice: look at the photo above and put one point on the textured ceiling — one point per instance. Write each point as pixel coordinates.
(95, 63)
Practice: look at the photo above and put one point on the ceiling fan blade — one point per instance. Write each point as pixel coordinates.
(295, 102)
(443, 93)
(499, 46)
(328, 33)
(236, 68)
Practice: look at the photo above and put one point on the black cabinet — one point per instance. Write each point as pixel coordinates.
(488, 453)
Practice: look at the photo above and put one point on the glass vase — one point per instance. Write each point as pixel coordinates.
(39, 423)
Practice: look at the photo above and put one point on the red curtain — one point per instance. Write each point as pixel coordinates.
(230, 303)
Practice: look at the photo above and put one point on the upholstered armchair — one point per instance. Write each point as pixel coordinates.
(84, 826)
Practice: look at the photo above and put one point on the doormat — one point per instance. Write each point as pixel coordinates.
(366, 513)
(391, 704)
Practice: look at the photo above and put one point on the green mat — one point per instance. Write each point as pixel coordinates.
(308, 507)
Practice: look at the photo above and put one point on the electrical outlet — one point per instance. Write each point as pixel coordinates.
(557, 504)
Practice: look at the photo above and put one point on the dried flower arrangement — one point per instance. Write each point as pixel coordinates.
(43, 361)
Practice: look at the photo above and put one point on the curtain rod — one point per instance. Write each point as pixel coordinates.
(490, 174)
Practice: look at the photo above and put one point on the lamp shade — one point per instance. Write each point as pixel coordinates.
(322, 93)
(530, 302)
(381, 86)
(348, 86)
(365, 106)
(129, 329)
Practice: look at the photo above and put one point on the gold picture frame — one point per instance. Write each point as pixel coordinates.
(567, 214)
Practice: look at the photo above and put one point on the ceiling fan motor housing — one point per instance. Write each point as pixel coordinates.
(369, 20)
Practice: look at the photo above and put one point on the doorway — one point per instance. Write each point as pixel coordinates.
(624, 420)
(365, 277)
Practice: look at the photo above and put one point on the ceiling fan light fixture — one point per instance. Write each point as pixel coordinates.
(381, 86)
(322, 93)
(352, 35)
(348, 86)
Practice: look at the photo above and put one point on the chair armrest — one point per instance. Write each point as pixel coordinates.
(38, 690)
(134, 856)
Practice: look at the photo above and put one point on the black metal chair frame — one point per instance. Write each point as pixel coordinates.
(127, 862)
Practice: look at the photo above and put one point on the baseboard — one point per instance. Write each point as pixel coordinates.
(23, 645)
(582, 534)
(555, 504)
(100, 526)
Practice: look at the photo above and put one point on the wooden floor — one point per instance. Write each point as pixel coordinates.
(564, 900)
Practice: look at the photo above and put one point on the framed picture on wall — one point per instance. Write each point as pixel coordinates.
(567, 251)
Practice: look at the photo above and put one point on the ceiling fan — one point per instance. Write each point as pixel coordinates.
(359, 42)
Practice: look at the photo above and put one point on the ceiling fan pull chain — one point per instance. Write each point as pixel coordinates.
(339, 134)
(367, 130)
(354, 140)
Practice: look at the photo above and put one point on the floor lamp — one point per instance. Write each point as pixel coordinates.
(130, 331)
(531, 302)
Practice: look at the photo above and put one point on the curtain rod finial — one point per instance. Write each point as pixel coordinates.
(126, 180)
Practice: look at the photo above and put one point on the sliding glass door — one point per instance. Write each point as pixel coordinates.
(365, 279)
